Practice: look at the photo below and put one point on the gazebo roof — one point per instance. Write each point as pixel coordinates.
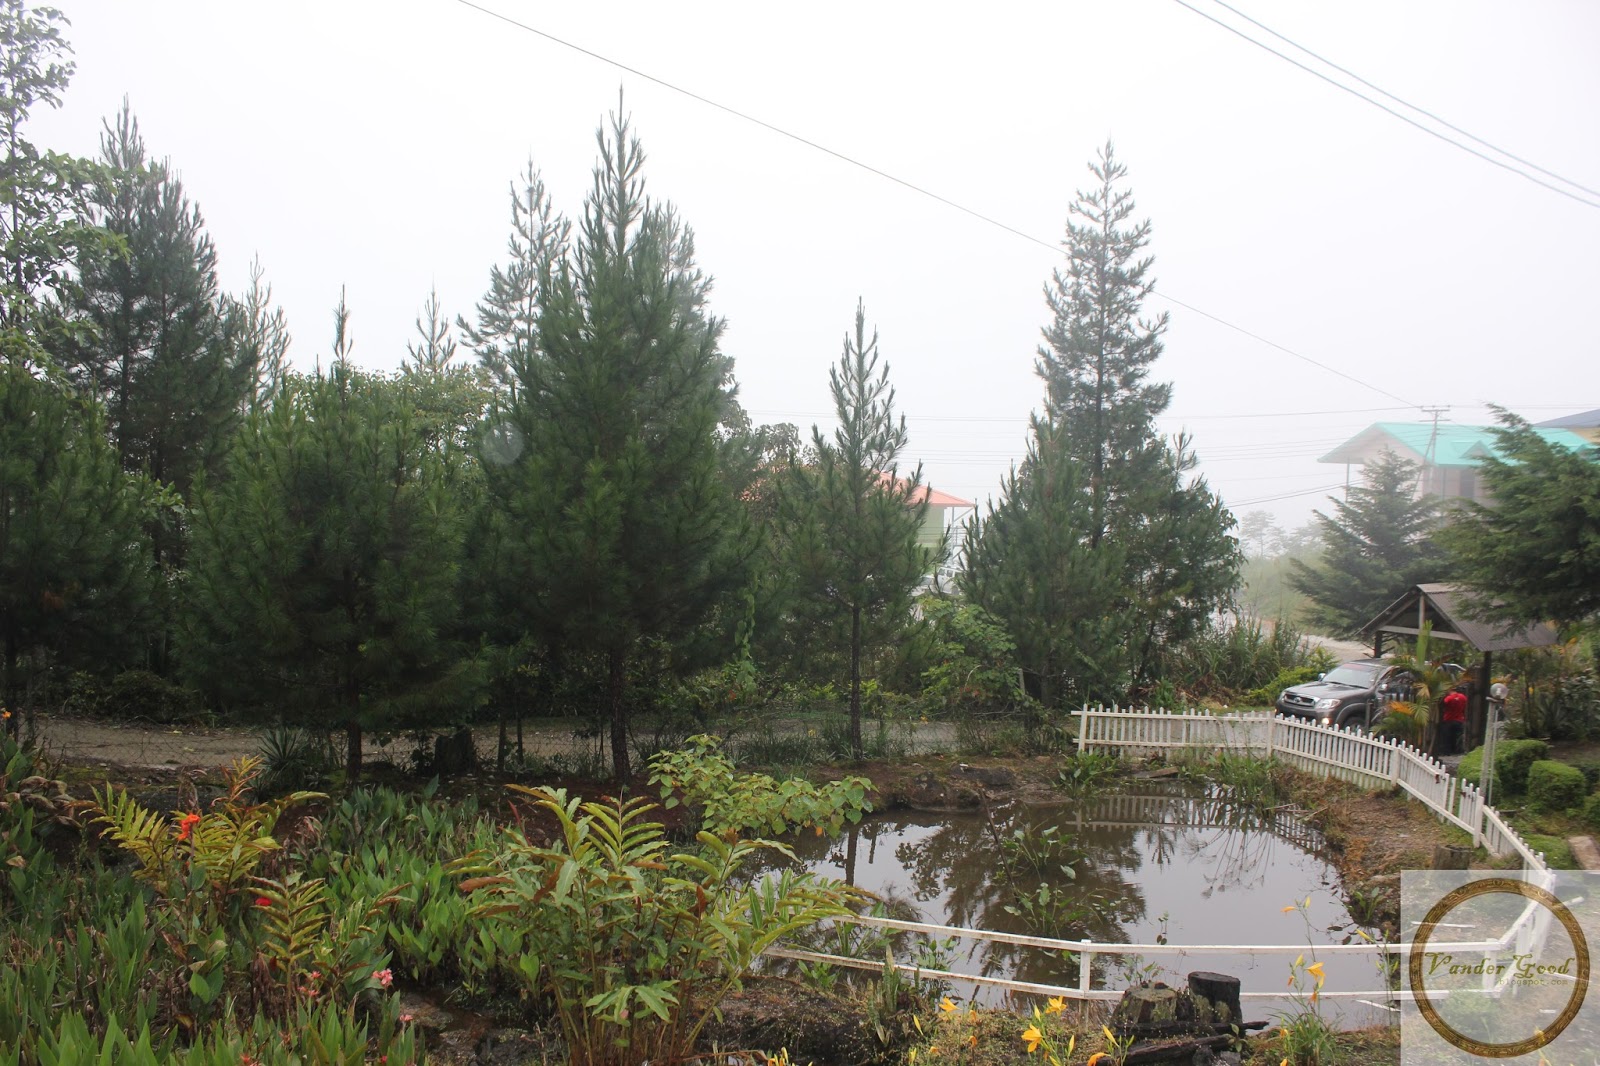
(1444, 605)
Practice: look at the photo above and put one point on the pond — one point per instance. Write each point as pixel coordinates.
(1165, 863)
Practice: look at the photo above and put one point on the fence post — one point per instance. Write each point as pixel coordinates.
(1085, 966)
(1394, 761)
(1083, 726)
(1272, 723)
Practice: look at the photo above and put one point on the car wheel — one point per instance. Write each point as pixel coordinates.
(1355, 718)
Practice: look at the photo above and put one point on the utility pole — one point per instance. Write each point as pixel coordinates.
(1429, 456)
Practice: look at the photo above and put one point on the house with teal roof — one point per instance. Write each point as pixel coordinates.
(1448, 455)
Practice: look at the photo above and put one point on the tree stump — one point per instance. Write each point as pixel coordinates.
(1451, 856)
(1218, 993)
(1146, 1006)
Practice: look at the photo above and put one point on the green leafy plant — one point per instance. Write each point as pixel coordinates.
(635, 947)
(1305, 1037)
(1085, 772)
(703, 779)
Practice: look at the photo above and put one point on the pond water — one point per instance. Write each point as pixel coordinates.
(1164, 863)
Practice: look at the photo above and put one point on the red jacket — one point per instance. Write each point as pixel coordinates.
(1455, 707)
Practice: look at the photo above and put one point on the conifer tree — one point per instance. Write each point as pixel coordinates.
(156, 352)
(1030, 563)
(1377, 544)
(323, 572)
(73, 565)
(1103, 529)
(507, 329)
(853, 520)
(257, 335)
(616, 530)
(1533, 555)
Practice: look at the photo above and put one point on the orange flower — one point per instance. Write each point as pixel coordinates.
(186, 824)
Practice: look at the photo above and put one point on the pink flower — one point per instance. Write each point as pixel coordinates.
(384, 978)
(404, 1018)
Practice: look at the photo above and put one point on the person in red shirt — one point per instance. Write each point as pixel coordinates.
(1452, 721)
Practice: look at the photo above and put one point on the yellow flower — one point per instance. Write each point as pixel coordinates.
(1289, 908)
(911, 1057)
(1097, 1058)
(1031, 1036)
(972, 1041)
(946, 1006)
(1106, 1029)
(916, 1021)
(1057, 1004)
(1315, 970)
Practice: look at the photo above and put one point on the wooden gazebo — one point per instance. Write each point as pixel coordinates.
(1444, 606)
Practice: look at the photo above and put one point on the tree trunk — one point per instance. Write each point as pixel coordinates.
(352, 731)
(617, 685)
(856, 750)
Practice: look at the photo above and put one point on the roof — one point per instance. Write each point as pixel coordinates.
(1445, 605)
(1582, 420)
(1450, 445)
(930, 495)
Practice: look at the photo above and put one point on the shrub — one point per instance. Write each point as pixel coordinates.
(1267, 694)
(1555, 786)
(635, 947)
(1557, 852)
(1513, 758)
(702, 778)
(142, 694)
(1591, 811)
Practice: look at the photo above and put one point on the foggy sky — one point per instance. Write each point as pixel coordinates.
(371, 146)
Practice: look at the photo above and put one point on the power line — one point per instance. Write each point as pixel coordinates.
(1404, 103)
(980, 216)
(1407, 119)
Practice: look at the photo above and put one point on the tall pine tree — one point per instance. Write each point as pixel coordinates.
(617, 532)
(1131, 551)
(852, 520)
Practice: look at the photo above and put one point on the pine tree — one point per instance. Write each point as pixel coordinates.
(73, 565)
(616, 530)
(156, 352)
(1375, 546)
(1102, 530)
(853, 521)
(257, 335)
(1098, 350)
(507, 329)
(323, 572)
(1030, 563)
(1533, 555)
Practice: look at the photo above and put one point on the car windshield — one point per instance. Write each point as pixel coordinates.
(1357, 675)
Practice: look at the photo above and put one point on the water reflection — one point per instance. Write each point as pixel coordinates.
(1168, 862)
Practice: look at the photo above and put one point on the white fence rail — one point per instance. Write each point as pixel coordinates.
(1307, 745)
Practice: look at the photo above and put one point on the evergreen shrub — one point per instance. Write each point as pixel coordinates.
(1555, 786)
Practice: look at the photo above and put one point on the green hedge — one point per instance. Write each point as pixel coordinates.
(1555, 786)
(1591, 811)
(1512, 760)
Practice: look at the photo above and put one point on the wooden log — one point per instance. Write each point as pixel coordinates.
(1451, 856)
(1173, 1050)
(1219, 993)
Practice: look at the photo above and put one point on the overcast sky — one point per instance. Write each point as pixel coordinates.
(371, 146)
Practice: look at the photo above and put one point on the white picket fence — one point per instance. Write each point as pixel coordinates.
(1316, 748)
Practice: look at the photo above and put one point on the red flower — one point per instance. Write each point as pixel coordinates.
(263, 901)
(186, 824)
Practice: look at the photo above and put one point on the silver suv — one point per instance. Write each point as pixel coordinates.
(1351, 694)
